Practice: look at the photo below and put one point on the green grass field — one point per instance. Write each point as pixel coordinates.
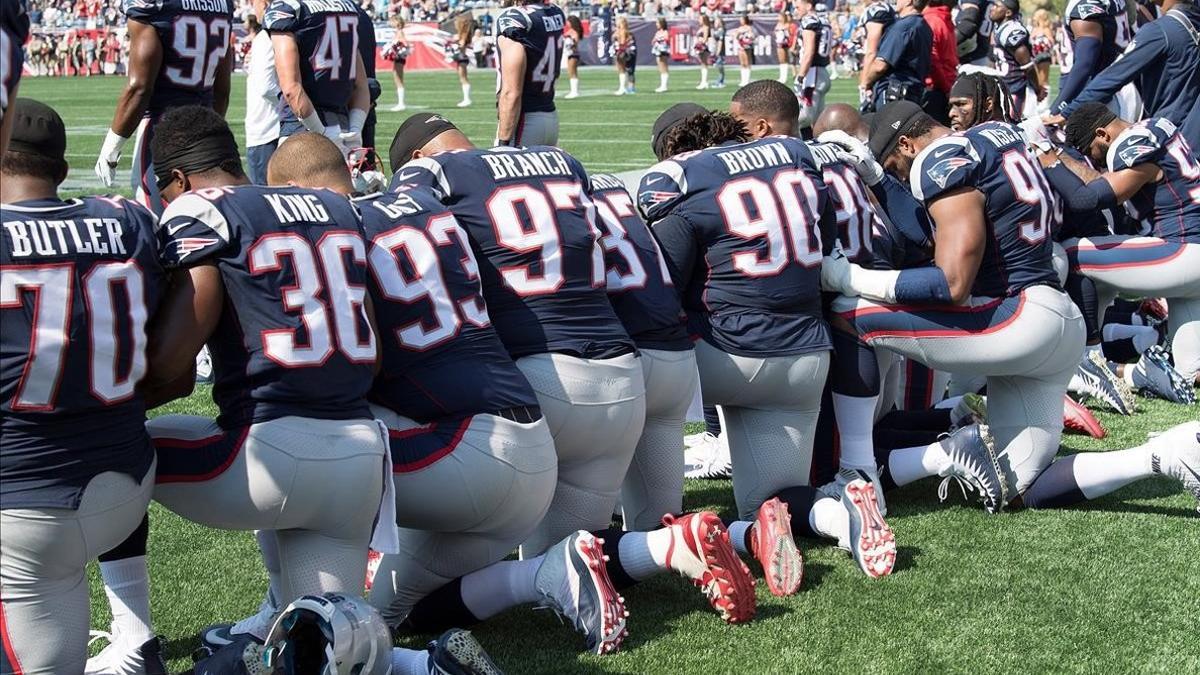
(1109, 587)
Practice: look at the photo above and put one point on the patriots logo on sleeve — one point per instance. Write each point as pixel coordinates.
(181, 248)
(511, 22)
(1130, 153)
(1086, 10)
(143, 5)
(941, 171)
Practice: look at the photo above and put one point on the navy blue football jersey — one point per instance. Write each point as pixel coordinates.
(879, 12)
(326, 34)
(819, 25)
(857, 219)
(531, 221)
(195, 37)
(80, 280)
(441, 356)
(1173, 203)
(740, 228)
(639, 282)
(539, 29)
(1102, 12)
(983, 36)
(1006, 39)
(14, 31)
(1019, 206)
(293, 338)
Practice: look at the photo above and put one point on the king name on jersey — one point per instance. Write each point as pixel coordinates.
(755, 157)
(525, 164)
(65, 237)
(299, 208)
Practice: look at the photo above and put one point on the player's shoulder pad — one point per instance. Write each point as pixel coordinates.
(1142, 143)
(514, 23)
(661, 188)
(282, 15)
(1087, 10)
(144, 10)
(810, 22)
(945, 165)
(426, 171)
(1011, 33)
(191, 228)
(880, 12)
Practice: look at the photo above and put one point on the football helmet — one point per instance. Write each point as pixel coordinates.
(330, 634)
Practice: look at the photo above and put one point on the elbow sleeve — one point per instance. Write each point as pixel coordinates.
(923, 285)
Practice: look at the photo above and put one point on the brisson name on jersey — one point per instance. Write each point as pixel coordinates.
(441, 356)
(81, 279)
(1019, 206)
(1172, 203)
(539, 29)
(292, 338)
(326, 34)
(195, 36)
(638, 280)
(741, 228)
(530, 218)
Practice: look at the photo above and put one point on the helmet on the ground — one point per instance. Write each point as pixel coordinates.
(330, 634)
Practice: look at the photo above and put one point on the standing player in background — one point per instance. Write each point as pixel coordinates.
(262, 101)
(367, 46)
(76, 463)
(14, 31)
(902, 63)
(179, 54)
(320, 69)
(660, 47)
(877, 18)
(530, 41)
(785, 39)
(1091, 32)
(1014, 54)
(702, 49)
(812, 78)
(572, 36)
(973, 29)
(397, 52)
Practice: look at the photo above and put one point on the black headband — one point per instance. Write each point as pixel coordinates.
(206, 153)
(1081, 136)
(413, 134)
(964, 87)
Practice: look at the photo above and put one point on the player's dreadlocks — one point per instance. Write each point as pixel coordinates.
(989, 96)
(704, 130)
(1083, 123)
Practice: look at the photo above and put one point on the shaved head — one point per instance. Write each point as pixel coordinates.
(309, 160)
(842, 117)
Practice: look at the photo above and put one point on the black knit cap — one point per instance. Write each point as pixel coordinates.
(37, 129)
(889, 124)
(669, 118)
(413, 134)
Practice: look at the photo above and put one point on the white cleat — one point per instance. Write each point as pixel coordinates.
(870, 541)
(257, 626)
(845, 475)
(1178, 456)
(122, 659)
(572, 580)
(465, 103)
(1154, 374)
(619, 92)
(399, 107)
(572, 95)
(659, 90)
(701, 551)
(708, 459)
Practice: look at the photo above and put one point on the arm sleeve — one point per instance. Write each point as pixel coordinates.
(1143, 51)
(1087, 53)
(677, 240)
(906, 213)
(1078, 196)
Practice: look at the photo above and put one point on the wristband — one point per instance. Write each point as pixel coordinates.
(312, 122)
(358, 118)
(113, 143)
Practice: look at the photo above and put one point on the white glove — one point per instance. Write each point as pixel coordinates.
(368, 182)
(349, 140)
(857, 153)
(110, 154)
(840, 275)
(1036, 134)
(835, 272)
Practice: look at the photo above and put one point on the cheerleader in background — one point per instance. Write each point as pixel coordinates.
(397, 52)
(458, 53)
(784, 34)
(572, 36)
(660, 46)
(744, 35)
(1041, 41)
(624, 52)
(702, 49)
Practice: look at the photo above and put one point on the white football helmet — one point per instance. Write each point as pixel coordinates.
(330, 634)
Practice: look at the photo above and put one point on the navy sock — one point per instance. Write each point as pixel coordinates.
(799, 500)
(854, 370)
(712, 421)
(441, 610)
(1055, 487)
(1120, 351)
(612, 549)
(133, 546)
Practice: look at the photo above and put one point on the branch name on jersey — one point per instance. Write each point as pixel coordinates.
(531, 222)
(292, 338)
(1019, 205)
(539, 29)
(326, 34)
(1172, 203)
(739, 225)
(441, 356)
(639, 283)
(1007, 38)
(80, 281)
(195, 37)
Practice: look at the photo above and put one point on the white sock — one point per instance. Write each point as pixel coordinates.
(574, 85)
(948, 402)
(662, 80)
(466, 92)
(703, 76)
(737, 535)
(1099, 473)
(644, 554)
(127, 585)
(498, 587)
(623, 79)
(400, 95)
(783, 69)
(911, 464)
(745, 76)
(828, 518)
(410, 662)
(268, 546)
(1143, 337)
(855, 417)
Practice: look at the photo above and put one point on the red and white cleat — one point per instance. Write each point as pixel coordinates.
(1081, 420)
(373, 559)
(701, 551)
(870, 541)
(776, 550)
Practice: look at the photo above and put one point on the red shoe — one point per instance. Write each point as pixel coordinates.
(1155, 308)
(373, 559)
(776, 550)
(701, 551)
(1081, 420)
